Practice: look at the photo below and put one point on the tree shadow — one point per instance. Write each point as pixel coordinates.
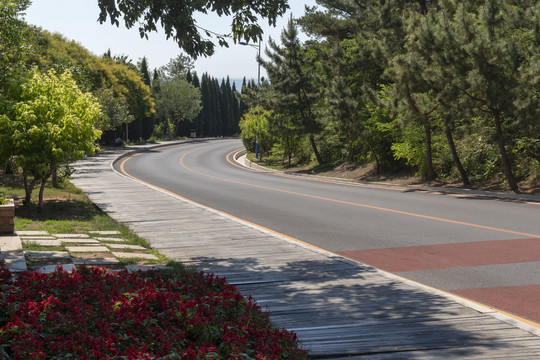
(54, 210)
(466, 195)
(340, 309)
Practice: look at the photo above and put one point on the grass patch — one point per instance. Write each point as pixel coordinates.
(33, 246)
(32, 263)
(139, 261)
(67, 210)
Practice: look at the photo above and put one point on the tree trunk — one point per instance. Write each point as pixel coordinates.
(176, 128)
(42, 188)
(54, 178)
(315, 150)
(350, 147)
(430, 172)
(507, 165)
(424, 119)
(455, 157)
(28, 188)
(27, 191)
(374, 154)
(169, 132)
(289, 150)
(423, 7)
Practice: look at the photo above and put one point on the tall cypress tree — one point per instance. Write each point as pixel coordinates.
(147, 125)
(143, 68)
(235, 109)
(242, 106)
(225, 109)
(197, 122)
(206, 111)
(216, 108)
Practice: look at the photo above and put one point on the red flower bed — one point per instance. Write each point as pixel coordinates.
(95, 314)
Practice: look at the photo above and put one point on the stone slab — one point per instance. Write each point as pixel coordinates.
(87, 248)
(10, 243)
(16, 264)
(38, 238)
(110, 239)
(112, 232)
(42, 242)
(32, 233)
(128, 255)
(71, 236)
(126, 246)
(47, 269)
(95, 261)
(81, 241)
(11, 252)
(47, 254)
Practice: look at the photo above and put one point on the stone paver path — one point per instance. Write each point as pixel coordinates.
(80, 249)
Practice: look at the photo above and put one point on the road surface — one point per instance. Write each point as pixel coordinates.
(485, 249)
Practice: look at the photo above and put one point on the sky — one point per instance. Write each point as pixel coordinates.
(77, 20)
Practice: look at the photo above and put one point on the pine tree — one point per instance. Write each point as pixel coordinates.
(380, 45)
(483, 47)
(293, 78)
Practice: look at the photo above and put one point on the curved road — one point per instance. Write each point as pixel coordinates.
(484, 249)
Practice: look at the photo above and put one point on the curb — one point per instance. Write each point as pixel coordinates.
(530, 198)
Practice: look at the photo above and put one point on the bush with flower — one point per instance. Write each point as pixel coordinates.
(93, 313)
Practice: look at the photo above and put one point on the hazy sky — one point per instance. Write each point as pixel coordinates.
(77, 20)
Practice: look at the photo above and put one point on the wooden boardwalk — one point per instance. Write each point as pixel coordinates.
(338, 308)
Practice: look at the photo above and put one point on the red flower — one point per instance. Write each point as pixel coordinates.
(96, 314)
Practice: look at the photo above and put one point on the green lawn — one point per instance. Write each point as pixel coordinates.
(67, 210)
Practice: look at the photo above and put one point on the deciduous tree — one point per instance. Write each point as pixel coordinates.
(52, 122)
(178, 19)
(177, 101)
(14, 40)
(255, 128)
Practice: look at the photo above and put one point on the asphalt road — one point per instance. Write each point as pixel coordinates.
(485, 249)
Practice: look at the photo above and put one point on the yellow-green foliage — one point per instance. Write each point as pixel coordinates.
(254, 126)
(51, 122)
(93, 72)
